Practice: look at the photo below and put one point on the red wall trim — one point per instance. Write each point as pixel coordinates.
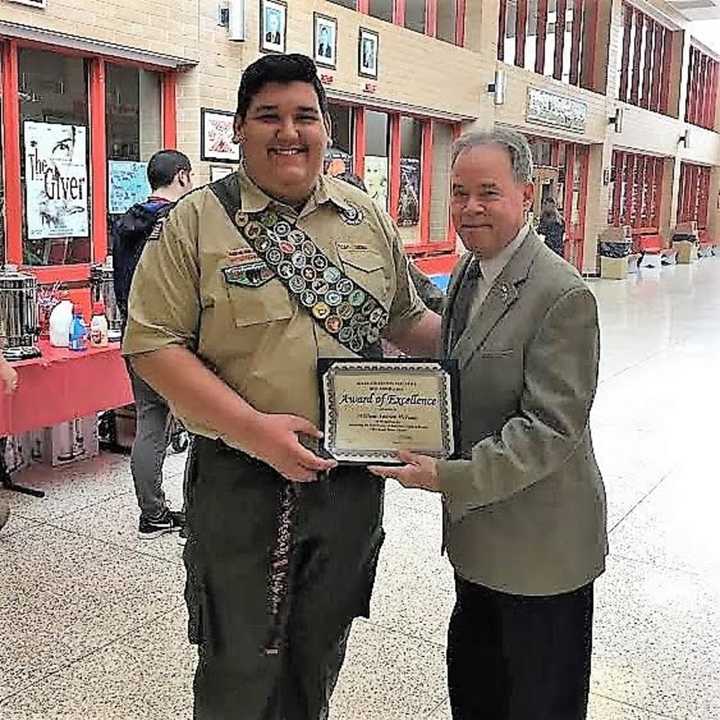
(399, 12)
(363, 6)
(625, 64)
(502, 21)
(560, 39)
(395, 148)
(520, 32)
(590, 45)
(426, 179)
(657, 67)
(11, 151)
(60, 273)
(667, 65)
(169, 111)
(649, 39)
(639, 30)
(542, 14)
(577, 26)
(431, 16)
(460, 10)
(98, 160)
(359, 154)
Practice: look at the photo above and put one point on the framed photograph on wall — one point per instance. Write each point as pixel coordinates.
(273, 26)
(216, 127)
(218, 172)
(368, 48)
(325, 41)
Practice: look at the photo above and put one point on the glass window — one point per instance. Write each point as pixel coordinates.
(352, 4)
(440, 196)
(510, 20)
(339, 158)
(447, 21)
(415, 15)
(550, 38)
(408, 215)
(381, 9)
(377, 157)
(134, 134)
(531, 34)
(55, 145)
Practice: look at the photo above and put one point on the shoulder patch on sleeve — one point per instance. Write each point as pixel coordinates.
(157, 228)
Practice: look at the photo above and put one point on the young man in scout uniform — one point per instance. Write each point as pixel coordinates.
(260, 275)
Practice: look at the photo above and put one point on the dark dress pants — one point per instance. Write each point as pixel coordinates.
(233, 505)
(515, 657)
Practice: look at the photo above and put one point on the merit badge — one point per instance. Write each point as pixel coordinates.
(320, 262)
(345, 310)
(357, 298)
(332, 275)
(309, 248)
(376, 315)
(282, 229)
(333, 324)
(345, 286)
(287, 247)
(309, 273)
(253, 230)
(269, 218)
(320, 286)
(373, 335)
(285, 270)
(356, 344)
(263, 244)
(308, 298)
(297, 284)
(296, 237)
(368, 307)
(320, 310)
(345, 334)
(299, 259)
(333, 298)
(241, 219)
(274, 256)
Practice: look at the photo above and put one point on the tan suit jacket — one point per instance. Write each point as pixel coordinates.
(525, 506)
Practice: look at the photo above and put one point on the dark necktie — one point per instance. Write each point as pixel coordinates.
(467, 292)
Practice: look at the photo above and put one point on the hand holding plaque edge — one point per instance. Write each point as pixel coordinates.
(420, 471)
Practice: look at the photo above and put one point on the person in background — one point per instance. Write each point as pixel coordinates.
(430, 294)
(9, 381)
(551, 225)
(169, 174)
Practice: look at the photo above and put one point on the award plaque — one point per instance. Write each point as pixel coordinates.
(374, 408)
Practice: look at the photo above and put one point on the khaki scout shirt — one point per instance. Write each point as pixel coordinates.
(258, 339)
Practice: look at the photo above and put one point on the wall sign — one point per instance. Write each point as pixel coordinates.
(56, 180)
(546, 108)
(217, 139)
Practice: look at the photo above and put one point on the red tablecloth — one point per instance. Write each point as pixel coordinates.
(62, 385)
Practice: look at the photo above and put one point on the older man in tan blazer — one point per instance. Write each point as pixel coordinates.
(525, 505)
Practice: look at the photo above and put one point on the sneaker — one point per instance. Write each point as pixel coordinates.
(182, 536)
(171, 521)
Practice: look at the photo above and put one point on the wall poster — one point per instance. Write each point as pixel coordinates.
(56, 180)
(128, 185)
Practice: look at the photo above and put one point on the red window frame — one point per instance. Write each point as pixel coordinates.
(702, 89)
(694, 194)
(98, 154)
(431, 16)
(637, 192)
(580, 68)
(424, 246)
(648, 89)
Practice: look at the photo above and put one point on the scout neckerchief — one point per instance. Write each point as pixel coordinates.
(338, 304)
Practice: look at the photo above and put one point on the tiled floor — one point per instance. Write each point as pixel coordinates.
(93, 620)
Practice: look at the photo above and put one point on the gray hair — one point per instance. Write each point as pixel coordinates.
(515, 143)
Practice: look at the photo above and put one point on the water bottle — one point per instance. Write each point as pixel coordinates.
(78, 331)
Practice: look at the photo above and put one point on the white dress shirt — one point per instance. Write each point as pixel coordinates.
(492, 268)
